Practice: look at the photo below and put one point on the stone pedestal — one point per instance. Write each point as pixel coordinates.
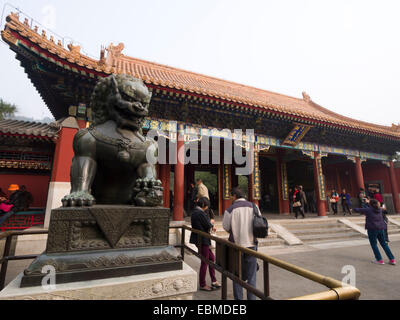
(103, 242)
(172, 285)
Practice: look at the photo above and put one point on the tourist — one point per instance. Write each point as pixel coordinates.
(334, 201)
(362, 198)
(27, 198)
(304, 202)
(346, 202)
(378, 196)
(202, 190)
(238, 221)
(297, 203)
(201, 222)
(17, 197)
(375, 225)
(7, 208)
(290, 201)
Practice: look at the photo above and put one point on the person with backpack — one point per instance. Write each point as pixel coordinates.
(238, 222)
(375, 225)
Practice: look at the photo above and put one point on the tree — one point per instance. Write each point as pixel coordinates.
(7, 110)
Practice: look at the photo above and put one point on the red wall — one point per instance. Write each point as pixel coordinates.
(336, 178)
(376, 172)
(63, 155)
(35, 184)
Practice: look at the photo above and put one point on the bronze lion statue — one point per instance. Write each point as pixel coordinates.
(110, 165)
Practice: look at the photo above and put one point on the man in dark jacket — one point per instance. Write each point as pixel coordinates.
(201, 221)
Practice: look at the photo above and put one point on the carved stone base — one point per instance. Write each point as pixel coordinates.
(171, 285)
(103, 242)
(94, 265)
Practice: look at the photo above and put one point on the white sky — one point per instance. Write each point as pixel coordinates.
(344, 54)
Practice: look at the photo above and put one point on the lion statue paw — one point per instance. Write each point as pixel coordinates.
(78, 199)
(148, 193)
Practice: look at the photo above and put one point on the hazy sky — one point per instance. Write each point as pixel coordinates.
(344, 54)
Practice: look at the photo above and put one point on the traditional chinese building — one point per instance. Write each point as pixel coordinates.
(296, 141)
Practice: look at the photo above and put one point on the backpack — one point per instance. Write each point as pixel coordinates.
(260, 224)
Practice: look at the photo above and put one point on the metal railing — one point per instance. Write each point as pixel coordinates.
(9, 235)
(228, 261)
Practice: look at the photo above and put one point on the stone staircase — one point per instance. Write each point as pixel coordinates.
(271, 241)
(321, 230)
(392, 228)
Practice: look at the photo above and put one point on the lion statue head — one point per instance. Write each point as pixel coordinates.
(121, 98)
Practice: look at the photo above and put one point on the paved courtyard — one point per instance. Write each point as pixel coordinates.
(374, 281)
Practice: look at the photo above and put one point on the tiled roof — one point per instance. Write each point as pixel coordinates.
(35, 129)
(194, 83)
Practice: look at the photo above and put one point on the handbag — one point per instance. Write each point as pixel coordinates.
(297, 204)
(260, 224)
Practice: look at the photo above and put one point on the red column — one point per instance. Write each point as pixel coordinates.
(250, 188)
(226, 203)
(165, 174)
(320, 198)
(63, 155)
(395, 190)
(359, 175)
(60, 176)
(283, 203)
(179, 178)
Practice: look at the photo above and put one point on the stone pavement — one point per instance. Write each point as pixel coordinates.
(375, 282)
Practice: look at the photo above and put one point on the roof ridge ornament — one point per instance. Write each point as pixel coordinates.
(306, 97)
(116, 51)
(74, 49)
(396, 127)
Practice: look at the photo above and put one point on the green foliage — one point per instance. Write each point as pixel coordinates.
(244, 185)
(7, 110)
(210, 180)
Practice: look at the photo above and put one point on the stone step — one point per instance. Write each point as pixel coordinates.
(269, 241)
(333, 237)
(392, 228)
(224, 234)
(312, 226)
(300, 232)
